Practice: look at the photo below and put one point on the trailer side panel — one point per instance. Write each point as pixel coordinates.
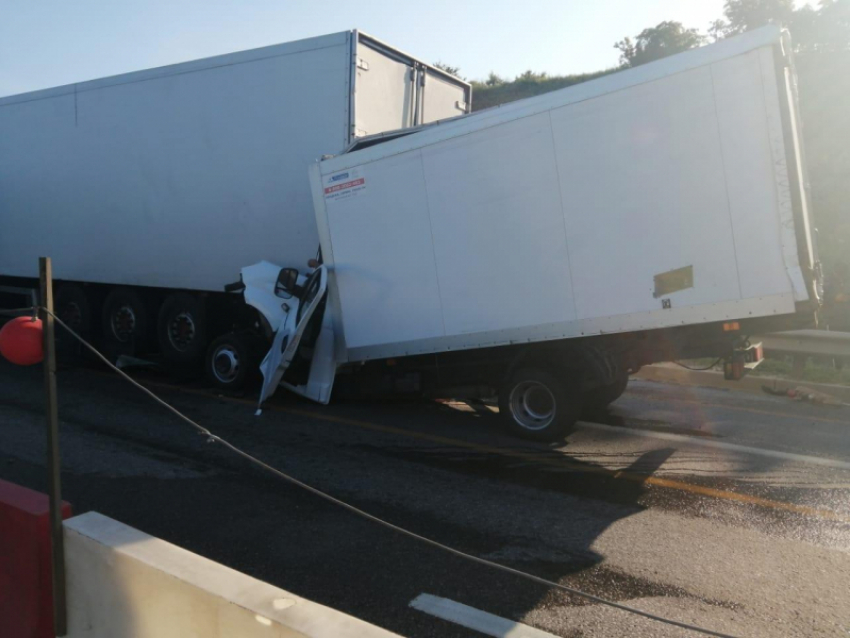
(648, 200)
(175, 181)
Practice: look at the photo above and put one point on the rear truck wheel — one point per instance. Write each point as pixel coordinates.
(536, 404)
(124, 323)
(232, 361)
(600, 398)
(72, 306)
(181, 329)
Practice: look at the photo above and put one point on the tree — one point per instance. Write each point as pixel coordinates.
(832, 26)
(657, 42)
(494, 80)
(531, 77)
(717, 29)
(805, 28)
(746, 15)
(826, 28)
(451, 70)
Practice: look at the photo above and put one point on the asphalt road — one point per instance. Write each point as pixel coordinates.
(722, 509)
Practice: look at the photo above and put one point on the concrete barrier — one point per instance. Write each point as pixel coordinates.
(26, 587)
(123, 583)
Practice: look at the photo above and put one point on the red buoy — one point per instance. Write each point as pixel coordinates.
(21, 341)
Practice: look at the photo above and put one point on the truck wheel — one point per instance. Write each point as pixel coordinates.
(72, 306)
(599, 398)
(124, 322)
(535, 404)
(231, 361)
(181, 329)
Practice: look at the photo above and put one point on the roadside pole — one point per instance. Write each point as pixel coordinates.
(57, 545)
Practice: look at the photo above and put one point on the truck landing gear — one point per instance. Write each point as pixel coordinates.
(536, 404)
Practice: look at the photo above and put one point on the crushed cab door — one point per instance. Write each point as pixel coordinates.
(301, 356)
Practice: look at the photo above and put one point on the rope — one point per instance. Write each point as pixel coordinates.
(370, 517)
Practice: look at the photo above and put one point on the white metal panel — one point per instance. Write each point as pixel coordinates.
(750, 173)
(227, 59)
(638, 173)
(383, 258)
(174, 179)
(442, 99)
(499, 234)
(384, 99)
(644, 193)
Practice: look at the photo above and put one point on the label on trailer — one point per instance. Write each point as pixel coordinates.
(344, 184)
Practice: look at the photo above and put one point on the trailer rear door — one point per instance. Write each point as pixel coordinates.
(392, 90)
(384, 94)
(441, 98)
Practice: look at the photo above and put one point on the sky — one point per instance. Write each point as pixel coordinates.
(46, 43)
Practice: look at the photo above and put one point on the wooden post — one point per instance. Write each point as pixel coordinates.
(57, 545)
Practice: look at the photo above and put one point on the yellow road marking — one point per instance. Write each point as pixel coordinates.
(537, 459)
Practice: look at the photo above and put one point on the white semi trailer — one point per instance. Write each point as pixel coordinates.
(149, 190)
(548, 248)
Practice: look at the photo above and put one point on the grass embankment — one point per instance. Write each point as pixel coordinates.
(497, 91)
(781, 367)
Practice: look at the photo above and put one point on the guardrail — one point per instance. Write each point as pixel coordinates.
(802, 344)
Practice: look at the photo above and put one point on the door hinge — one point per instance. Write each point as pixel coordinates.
(362, 64)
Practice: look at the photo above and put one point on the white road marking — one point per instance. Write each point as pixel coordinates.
(720, 445)
(471, 618)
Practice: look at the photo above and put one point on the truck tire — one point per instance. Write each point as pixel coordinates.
(231, 361)
(72, 306)
(535, 404)
(181, 329)
(600, 398)
(124, 323)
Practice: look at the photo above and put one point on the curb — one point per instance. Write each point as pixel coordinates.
(670, 373)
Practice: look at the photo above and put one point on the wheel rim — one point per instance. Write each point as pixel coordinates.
(181, 331)
(123, 323)
(225, 363)
(532, 405)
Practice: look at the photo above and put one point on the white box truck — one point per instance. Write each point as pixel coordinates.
(150, 190)
(546, 249)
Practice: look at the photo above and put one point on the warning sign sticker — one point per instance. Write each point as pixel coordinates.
(344, 184)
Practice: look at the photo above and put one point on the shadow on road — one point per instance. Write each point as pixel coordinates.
(540, 512)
